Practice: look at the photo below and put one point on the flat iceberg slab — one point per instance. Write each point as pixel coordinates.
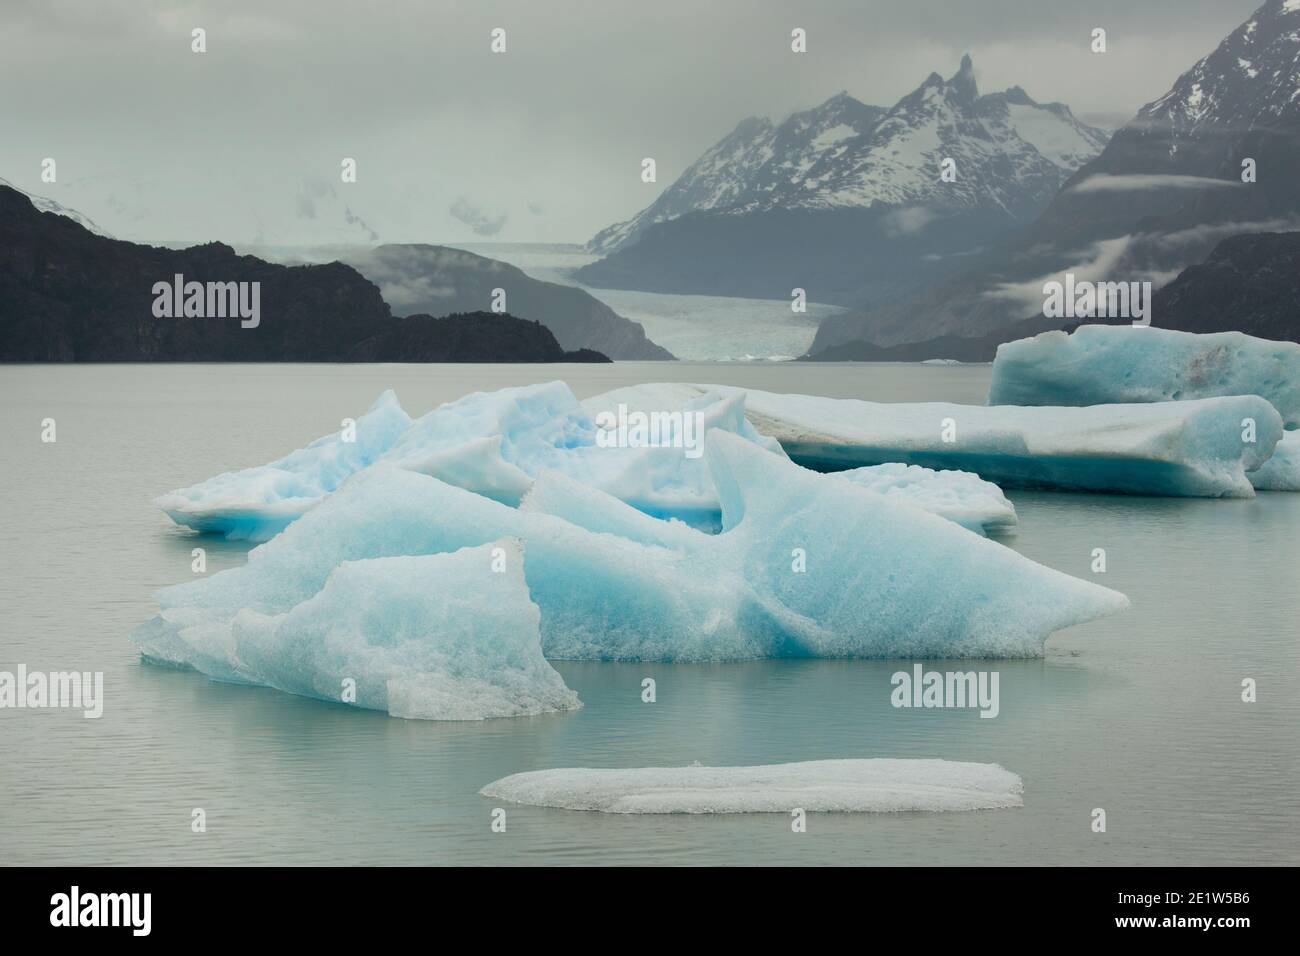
(878, 578)
(257, 503)
(402, 632)
(959, 496)
(1282, 471)
(1190, 448)
(825, 786)
(1107, 364)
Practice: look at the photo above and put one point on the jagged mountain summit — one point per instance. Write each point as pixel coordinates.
(1165, 190)
(748, 163)
(1010, 151)
(850, 172)
(1181, 159)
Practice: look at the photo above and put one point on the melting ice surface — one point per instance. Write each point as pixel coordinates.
(806, 565)
(843, 786)
(400, 629)
(1188, 448)
(1104, 364)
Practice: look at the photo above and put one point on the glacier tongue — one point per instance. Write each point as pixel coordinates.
(1195, 448)
(827, 786)
(1105, 364)
(878, 578)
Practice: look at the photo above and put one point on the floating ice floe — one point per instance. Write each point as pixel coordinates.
(399, 634)
(259, 502)
(1282, 470)
(807, 565)
(1199, 448)
(959, 496)
(1106, 364)
(826, 786)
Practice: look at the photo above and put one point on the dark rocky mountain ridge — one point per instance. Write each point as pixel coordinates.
(68, 295)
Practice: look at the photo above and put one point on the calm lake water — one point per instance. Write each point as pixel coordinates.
(1139, 714)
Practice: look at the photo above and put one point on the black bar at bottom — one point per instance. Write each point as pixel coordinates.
(334, 906)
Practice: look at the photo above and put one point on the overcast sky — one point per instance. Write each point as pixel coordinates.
(543, 143)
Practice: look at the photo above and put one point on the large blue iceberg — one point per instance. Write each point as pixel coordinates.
(496, 443)
(491, 443)
(1201, 448)
(806, 565)
(1106, 364)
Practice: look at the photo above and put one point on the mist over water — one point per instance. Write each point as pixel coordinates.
(1139, 713)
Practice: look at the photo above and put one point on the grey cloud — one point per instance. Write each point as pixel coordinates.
(562, 120)
(1106, 183)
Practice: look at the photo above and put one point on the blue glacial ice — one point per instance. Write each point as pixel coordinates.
(1105, 364)
(402, 632)
(807, 566)
(259, 502)
(484, 441)
(823, 786)
(1282, 470)
(491, 443)
(1198, 448)
(959, 496)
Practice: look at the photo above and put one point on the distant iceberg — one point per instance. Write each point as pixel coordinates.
(817, 786)
(259, 502)
(1107, 364)
(394, 634)
(959, 496)
(1282, 471)
(806, 565)
(1190, 448)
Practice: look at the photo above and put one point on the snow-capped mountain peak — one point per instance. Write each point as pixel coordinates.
(1251, 79)
(1011, 153)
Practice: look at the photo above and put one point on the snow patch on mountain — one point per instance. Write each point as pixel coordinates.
(45, 204)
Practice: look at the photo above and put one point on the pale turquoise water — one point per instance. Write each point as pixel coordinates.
(1139, 714)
